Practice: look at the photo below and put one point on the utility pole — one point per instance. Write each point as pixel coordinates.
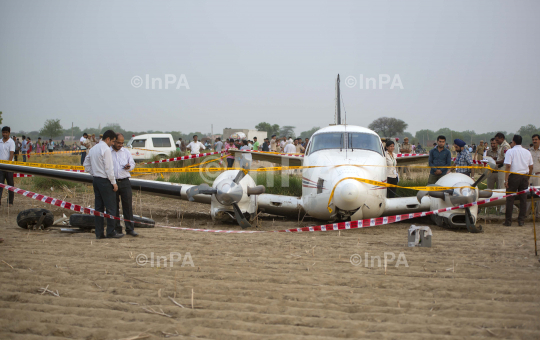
(212, 130)
(71, 130)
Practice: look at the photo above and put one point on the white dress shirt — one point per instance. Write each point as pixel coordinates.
(84, 141)
(99, 162)
(195, 147)
(120, 159)
(519, 159)
(6, 148)
(535, 153)
(289, 148)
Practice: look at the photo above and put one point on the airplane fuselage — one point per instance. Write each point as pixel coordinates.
(336, 165)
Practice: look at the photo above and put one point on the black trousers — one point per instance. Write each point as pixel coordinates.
(7, 177)
(391, 192)
(516, 183)
(104, 199)
(124, 192)
(83, 156)
(230, 162)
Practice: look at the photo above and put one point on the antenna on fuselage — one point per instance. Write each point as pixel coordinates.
(338, 107)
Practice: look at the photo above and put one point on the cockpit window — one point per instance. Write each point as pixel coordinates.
(338, 140)
(364, 141)
(322, 141)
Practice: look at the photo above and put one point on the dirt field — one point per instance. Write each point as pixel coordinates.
(268, 285)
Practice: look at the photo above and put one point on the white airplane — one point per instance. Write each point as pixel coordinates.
(335, 155)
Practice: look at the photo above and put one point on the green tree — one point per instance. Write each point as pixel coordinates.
(0, 117)
(287, 131)
(527, 130)
(387, 126)
(52, 128)
(309, 133)
(269, 128)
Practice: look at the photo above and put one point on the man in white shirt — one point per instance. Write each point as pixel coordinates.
(100, 165)
(123, 163)
(246, 159)
(195, 146)
(518, 161)
(178, 144)
(289, 147)
(7, 150)
(84, 143)
(283, 143)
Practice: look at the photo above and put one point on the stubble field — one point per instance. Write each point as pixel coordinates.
(265, 285)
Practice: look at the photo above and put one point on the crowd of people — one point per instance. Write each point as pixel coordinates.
(518, 167)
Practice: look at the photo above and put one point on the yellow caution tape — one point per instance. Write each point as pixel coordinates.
(36, 154)
(46, 166)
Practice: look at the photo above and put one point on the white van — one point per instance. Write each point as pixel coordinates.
(147, 146)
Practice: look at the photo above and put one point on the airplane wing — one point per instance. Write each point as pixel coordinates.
(279, 158)
(166, 189)
(267, 203)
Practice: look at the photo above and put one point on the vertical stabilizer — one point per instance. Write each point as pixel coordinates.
(338, 107)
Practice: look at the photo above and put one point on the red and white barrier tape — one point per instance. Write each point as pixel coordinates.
(184, 157)
(399, 155)
(371, 222)
(21, 175)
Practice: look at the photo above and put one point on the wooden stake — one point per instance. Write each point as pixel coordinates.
(534, 224)
(191, 298)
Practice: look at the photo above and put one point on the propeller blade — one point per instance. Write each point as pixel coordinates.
(481, 178)
(239, 177)
(203, 189)
(485, 194)
(257, 190)
(436, 194)
(240, 217)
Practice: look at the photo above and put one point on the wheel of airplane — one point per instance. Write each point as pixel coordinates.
(35, 218)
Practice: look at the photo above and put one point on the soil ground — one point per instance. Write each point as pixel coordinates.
(265, 285)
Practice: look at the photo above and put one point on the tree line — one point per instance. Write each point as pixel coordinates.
(54, 129)
(384, 126)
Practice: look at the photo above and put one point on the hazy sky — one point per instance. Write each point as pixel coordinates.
(463, 64)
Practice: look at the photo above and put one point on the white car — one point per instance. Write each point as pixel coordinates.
(144, 147)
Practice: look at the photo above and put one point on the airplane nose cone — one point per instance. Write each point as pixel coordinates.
(347, 195)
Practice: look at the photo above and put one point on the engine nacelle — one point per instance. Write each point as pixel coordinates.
(455, 218)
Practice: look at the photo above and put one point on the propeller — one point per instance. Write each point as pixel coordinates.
(228, 192)
(461, 195)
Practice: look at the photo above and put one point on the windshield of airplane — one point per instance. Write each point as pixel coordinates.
(364, 141)
(354, 140)
(322, 141)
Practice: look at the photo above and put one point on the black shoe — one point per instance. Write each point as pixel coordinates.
(506, 224)
(131, 233)
(100, 237)
(115, 235)
(521, 224)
